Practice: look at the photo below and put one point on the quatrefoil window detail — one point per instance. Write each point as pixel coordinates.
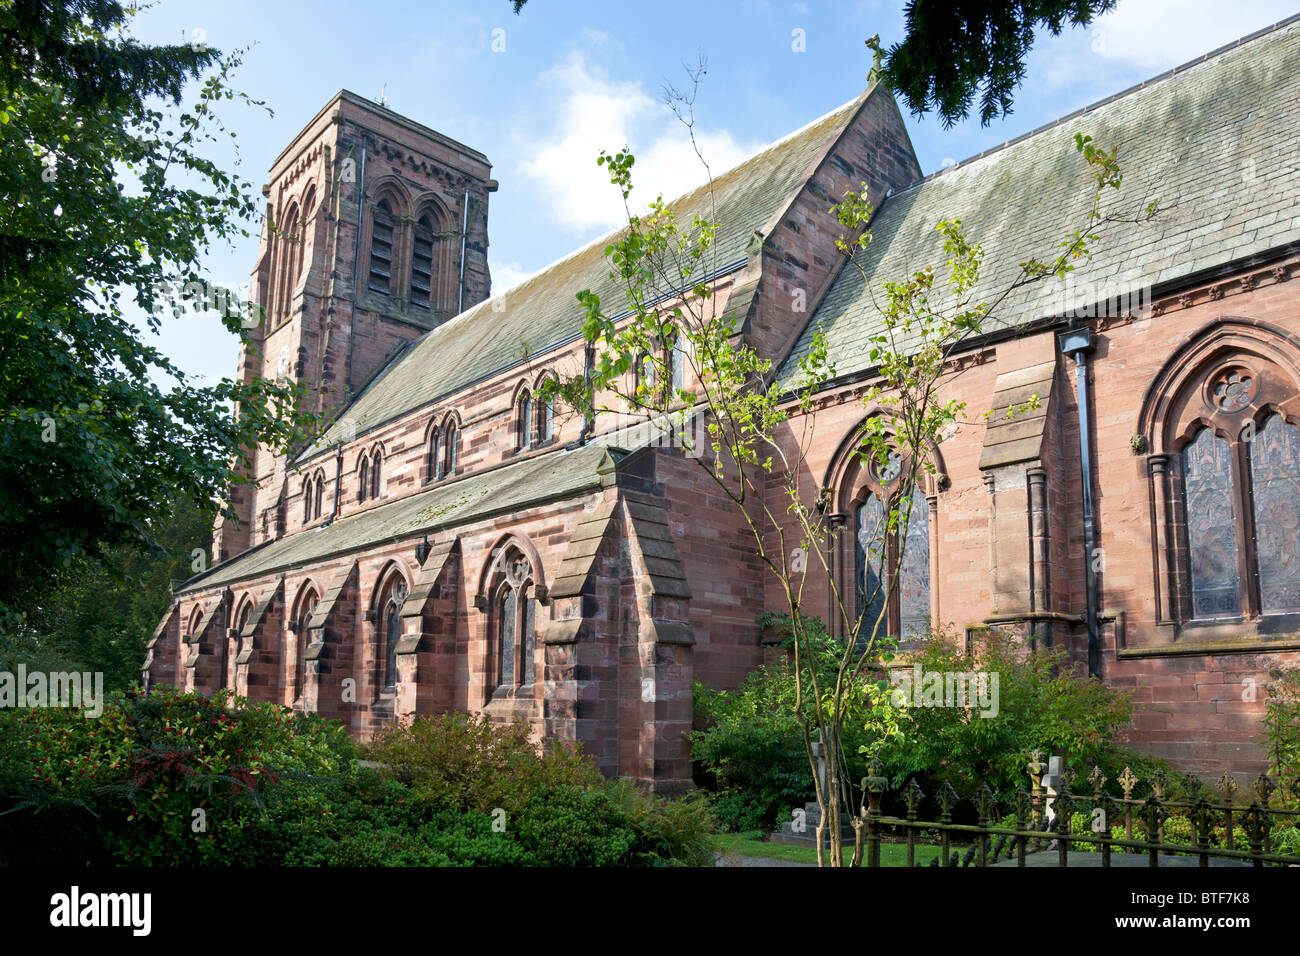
(1233, 389)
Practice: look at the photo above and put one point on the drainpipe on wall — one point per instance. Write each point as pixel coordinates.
(1078, 342)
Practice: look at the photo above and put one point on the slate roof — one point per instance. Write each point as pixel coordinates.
(542, 312)
(1215, 141)
(559, 474)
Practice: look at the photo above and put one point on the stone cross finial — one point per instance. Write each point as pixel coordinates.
(877, 57)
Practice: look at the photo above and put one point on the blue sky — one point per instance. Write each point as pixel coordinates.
(542, 93)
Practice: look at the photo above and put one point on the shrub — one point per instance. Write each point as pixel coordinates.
(1282, 724)
(277, 788)
(126, 787)
(1042, 704)
(466, 762)
(752, 754)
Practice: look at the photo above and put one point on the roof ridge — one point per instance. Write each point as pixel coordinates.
(1106, 101)
(605, 237)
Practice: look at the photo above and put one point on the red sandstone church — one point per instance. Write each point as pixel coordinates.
(449, 542)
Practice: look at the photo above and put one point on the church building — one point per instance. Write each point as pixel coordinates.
(451, 541)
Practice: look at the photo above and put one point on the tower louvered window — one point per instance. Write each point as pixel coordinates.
(422, 264)
(381, 250)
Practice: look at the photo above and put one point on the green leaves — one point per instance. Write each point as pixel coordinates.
(110, 200)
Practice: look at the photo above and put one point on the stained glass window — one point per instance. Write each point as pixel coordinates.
(871, 548)
(914, 569)
(1275, 474)
(1211, 526)
(528, 641)
(506, 638)
(306, 611)
(392, 621)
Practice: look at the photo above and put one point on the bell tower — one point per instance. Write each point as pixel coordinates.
(375, 233)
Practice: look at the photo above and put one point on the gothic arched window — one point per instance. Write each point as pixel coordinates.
(1275, 478)
(422, 263)
(381, 248)
(545, 424)
(376, 467)
(514, 612)
(1221, 419)
(389, 622)
(319, 495)
(450, 438)
(306, 499)
(524, 420)
(241, 624)
(306, 609)
(363, 477)
(432, 466)
(892, 578)
(290, 261)
(1242, 523)
(677, 364)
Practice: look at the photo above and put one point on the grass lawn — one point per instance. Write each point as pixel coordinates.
(753, 843)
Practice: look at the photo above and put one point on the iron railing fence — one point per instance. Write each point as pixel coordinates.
(1142, 819)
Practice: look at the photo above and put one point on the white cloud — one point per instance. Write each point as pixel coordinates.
(1159, 34)
(594, 112)
(507, 275)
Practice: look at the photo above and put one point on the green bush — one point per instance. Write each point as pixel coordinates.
(1282, 724)
(557, 808)
(752, 757)
(753, 748)
(167, 777)
(1042, 704)
(277, 789)
(466, 762)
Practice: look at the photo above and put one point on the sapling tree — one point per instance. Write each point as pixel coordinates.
(669, 351)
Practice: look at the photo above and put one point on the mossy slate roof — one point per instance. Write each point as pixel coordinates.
(1215, 142)
(542, 312)
(509, 488)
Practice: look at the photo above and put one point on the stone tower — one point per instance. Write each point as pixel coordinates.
(375, 232)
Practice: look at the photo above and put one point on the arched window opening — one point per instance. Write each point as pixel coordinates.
(241, 624)
(892, 576)
(545, 420)
(647, 377)
(422, 264)
(320, 493)
(390, 625)
(1211, 526)
(432, 462)
(306, 499)
(363, 478)
(515, 624)
(450, 437)
(524, 420)
(381, 249)
(306, 609)
(376, 465)
(1242, 530)
(290, 253)
(677, 364)
(1275, 470)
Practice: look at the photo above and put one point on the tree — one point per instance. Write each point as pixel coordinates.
(953, 49)
(756, 459)
(109, 200)
(97, 614)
